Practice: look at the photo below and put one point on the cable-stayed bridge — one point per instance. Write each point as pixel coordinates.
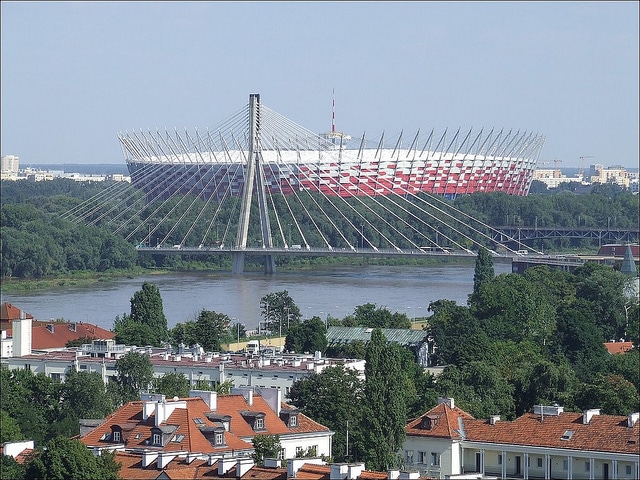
(259, 184)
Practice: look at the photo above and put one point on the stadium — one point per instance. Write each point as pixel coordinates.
(291, 159)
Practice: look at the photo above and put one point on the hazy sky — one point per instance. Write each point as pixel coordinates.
(76, 74)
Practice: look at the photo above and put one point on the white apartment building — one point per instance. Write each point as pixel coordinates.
(546, 444)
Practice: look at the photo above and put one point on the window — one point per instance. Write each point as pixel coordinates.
(177, 438)
(106, 437)
(565, 464)
(198, 421)
(157, 439)
(259, 424)
(55, 377)
(499, 459)
(422, 457)
(282, 454)
(299, 452)
(138, 435)
(219, 438)
(587, 466)
(410, 457)
(293, 421)
(539, 463)
(435, 459)
(567, 435)
(116, 436)
(627, 470)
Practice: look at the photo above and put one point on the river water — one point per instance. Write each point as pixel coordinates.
(334, 291)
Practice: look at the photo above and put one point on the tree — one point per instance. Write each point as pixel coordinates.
(484, 270)
(332, 398)
(146, 309)
(65, 458)
(457, 333)
(372, 316)
(134, 374)
(604, 288)
(612, 393)
(210, 328)
(265, 446)
(130, 332)
(384, 405)
(279, 311)
(10, 430)
(478, 388)
(172, 385)
(84, 395)
(10, 469)
(308, 336)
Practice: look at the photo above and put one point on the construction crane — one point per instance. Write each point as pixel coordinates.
(581, 170)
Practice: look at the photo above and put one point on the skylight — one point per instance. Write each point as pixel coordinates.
(567, 435)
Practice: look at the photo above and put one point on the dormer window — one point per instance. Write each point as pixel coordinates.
(157, 439)
(255, 419)
(430, 421)
(215, 435)
(289, 416)
(567, 435)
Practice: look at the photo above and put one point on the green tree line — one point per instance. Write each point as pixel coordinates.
(37, 242)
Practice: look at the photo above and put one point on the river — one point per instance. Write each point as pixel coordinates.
(334, 291)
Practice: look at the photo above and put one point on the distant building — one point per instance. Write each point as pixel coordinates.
(9, 166)
(615, 174)
(552, 178)
(416, 340)
(618, 347)
(548, 443)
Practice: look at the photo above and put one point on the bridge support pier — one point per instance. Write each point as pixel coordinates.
(238, 263)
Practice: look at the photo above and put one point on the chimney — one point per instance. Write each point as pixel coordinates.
(409, 475)
(271, 462)
(632, 419)
(148, 457)
(246, 392)
(210, 398)
(355, 470)
(339, 471)
(164, 458)
(493, 419)
(273, 397)
(447, 400)
(225, 464)
(244, 465)
(294, 464)
(21, 336)
(588, 414)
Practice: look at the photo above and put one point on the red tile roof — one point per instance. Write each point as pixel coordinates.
(51, 335)
(136, 432)
(443, 420)
(8, 313)
(618, 347)
(603, 433)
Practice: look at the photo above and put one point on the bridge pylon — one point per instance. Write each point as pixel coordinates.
(254, 177)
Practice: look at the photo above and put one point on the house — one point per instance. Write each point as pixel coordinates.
(547, 443)
(208, 424)
(618, 347)
(22, 334)
(20, 450)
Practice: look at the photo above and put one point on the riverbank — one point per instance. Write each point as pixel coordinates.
(88, 278)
